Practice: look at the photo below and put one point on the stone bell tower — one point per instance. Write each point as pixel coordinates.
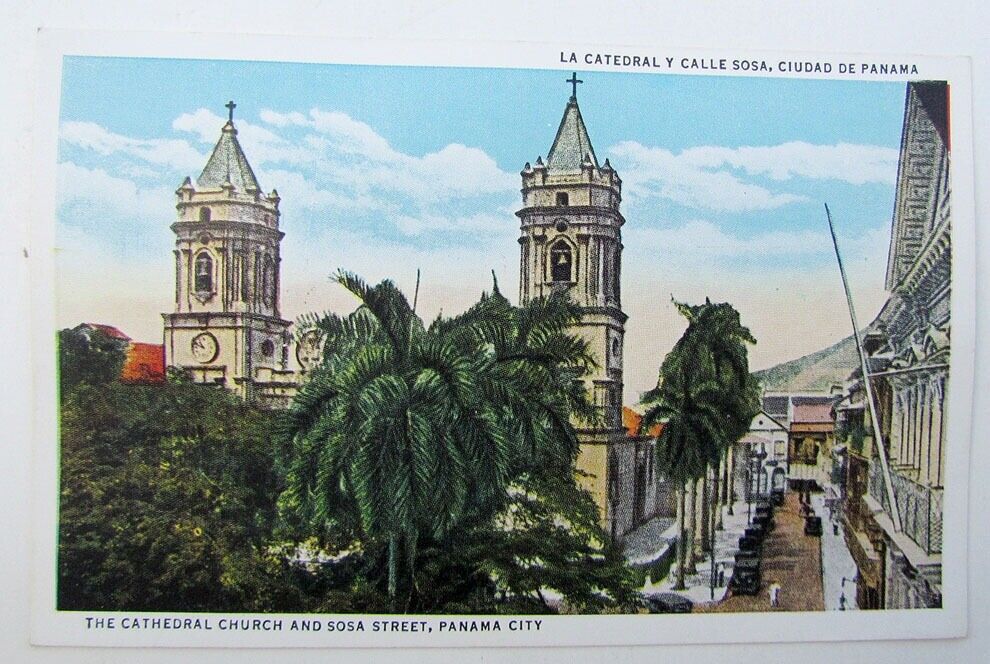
(226, 328)
(571, 240)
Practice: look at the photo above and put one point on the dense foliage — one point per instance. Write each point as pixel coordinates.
(421, 468)
(166, 495)
(89, 357)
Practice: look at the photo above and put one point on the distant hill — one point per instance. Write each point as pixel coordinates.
(812, 373)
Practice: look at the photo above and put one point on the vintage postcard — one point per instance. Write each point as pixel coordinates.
(423, 344)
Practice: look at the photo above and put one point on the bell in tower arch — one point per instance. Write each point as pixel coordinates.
(561, 261)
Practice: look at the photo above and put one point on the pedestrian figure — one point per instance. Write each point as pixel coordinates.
(842, 601)
(721, 575)
(835, 529)
(775, 595)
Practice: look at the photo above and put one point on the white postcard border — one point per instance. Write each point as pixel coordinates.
(51, 627)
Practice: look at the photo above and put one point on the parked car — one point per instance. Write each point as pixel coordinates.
(747, 555)
(750, 544)
(813, 526)
(745, 577)
(668, 603)
(765, 521)
(756, 532)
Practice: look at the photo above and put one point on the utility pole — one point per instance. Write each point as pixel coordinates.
(895, 515)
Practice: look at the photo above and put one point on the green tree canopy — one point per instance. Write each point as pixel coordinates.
(407, 431)
(705, 394)
(167, 492)
(88, 356)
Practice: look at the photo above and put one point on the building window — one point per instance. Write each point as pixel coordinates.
(204, 214)
(267, 347)
(204, 273)
(562, 199)
(561, 262)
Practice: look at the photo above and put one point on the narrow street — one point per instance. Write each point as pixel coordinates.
(791, 559)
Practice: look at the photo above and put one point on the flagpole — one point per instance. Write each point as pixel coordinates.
(895, 515)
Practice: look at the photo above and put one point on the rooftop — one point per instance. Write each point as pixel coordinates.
(144, 363)
(572, 147)
(108, 330)
(227, 163)
(775, 405)
(816, 413)
(631, 421)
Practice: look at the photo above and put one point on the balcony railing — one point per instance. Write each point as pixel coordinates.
(920, 507)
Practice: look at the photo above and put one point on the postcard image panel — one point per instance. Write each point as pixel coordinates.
(362, 344)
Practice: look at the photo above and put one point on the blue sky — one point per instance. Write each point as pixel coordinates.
(385, 169)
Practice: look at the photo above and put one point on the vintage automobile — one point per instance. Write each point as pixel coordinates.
(813, 526)
(765, 521)
(667, 603)
(749, 544)
(746, 577)
(755, 531)
(747, 555)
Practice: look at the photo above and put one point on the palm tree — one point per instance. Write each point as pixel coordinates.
(406, 430)
(706, 398)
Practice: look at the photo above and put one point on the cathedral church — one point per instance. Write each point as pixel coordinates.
(226, 328)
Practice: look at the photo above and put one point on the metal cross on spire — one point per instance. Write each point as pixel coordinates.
(574, 80)
(230, 105)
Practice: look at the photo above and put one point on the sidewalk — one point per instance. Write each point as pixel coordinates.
(837, 562)
(698, 580)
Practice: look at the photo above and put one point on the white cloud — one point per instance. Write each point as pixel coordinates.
(101, 193)
(261, 145)
(174, 153)
(656, 172)
(296, 190)
(855, 164)
(703, 177)
(355, 155)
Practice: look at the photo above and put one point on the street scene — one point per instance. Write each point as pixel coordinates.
(606, 344)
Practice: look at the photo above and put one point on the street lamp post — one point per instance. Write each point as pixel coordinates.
(749, 490)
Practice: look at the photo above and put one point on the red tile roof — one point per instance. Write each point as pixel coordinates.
(145, 363)
(818, 413)
(631, 420)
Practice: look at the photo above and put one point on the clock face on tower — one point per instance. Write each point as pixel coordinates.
(204, 347)
(309, 349)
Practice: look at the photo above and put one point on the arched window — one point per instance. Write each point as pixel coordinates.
(204, 214)
(561, 262)
(204, 273)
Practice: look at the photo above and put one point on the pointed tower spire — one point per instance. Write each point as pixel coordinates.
(571, 147)
(227, 163)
